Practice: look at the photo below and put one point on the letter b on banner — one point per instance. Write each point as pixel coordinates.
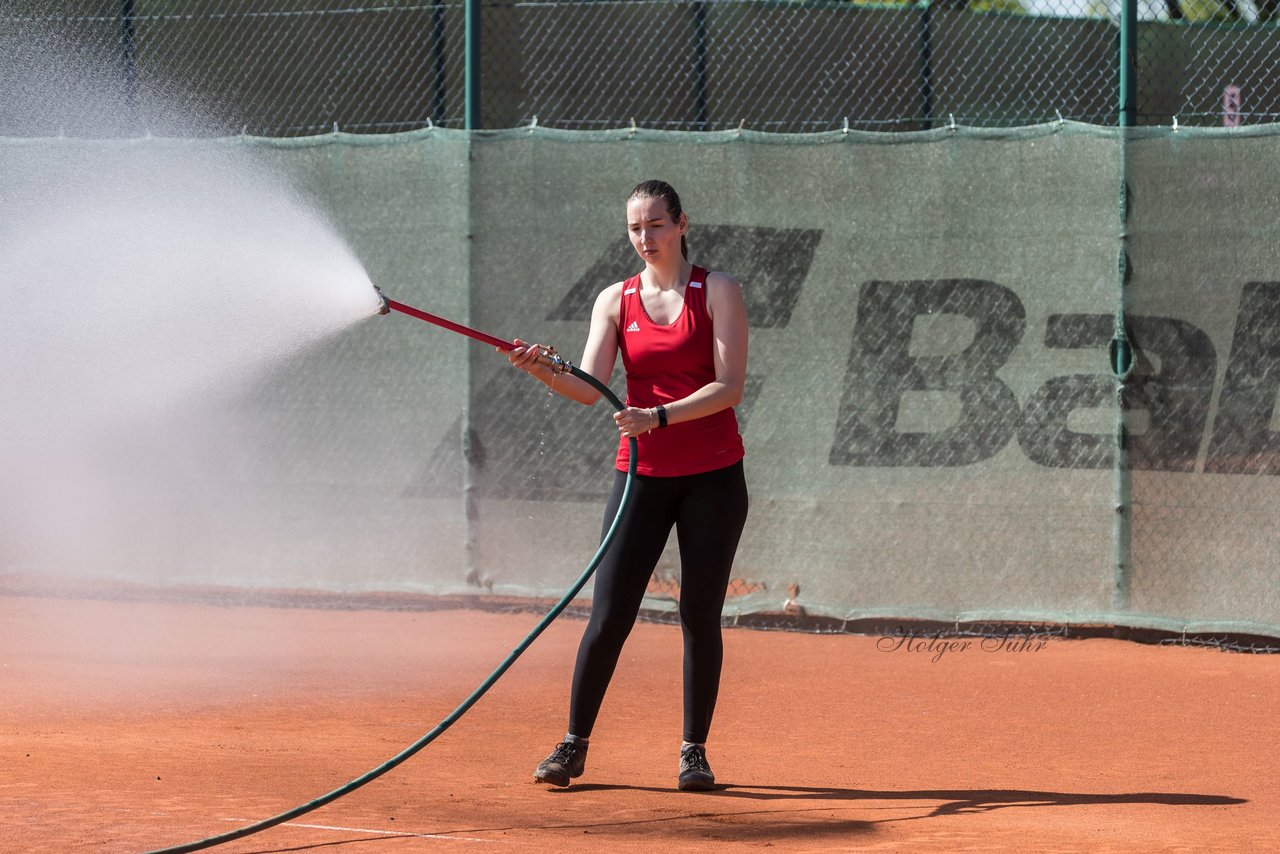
(895, 359)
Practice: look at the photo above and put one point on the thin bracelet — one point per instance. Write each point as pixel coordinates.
(662, 416)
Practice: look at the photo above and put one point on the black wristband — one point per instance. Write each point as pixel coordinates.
(662, 416)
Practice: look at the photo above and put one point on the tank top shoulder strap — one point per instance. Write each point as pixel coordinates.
(695, 295)
(627, 302)
(631, 286)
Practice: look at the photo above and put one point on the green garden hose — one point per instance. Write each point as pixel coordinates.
(479, 692)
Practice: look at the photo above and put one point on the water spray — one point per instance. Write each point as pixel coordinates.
(548, 357)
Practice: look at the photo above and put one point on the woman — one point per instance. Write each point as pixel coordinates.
(682, 333)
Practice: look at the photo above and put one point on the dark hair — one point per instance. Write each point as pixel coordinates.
(666, 192)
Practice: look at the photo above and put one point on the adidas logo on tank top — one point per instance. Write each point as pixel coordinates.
(633, 327)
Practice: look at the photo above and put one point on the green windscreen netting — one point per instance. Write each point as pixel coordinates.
(930, 413)
(1203, 308)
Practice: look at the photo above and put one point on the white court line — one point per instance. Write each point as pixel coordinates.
(376, 832)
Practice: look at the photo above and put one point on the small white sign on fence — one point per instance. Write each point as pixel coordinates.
(1231, 107)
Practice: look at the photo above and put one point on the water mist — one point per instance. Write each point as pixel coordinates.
(147, 284)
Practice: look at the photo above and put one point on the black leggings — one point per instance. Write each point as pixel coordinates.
(708, 511)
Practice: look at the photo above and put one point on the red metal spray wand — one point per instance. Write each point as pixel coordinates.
(548, 356)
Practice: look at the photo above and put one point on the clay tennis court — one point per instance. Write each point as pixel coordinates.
(129, 725)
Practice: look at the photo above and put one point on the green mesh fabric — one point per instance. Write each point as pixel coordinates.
(930, 416)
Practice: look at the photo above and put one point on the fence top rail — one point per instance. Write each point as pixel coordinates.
(717, 137)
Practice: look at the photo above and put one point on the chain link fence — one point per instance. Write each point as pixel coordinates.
(1209, 63)
(803, 66)
(267, 67)
(297, 67)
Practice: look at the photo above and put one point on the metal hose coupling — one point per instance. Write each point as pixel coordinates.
(549, 357)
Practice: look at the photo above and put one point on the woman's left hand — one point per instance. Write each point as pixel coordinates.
(633, 421)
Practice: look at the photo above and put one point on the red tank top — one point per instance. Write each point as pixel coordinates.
(666, 363)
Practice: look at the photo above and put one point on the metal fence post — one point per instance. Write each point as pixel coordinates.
(1127, 58)
(128, 58)
(1122, 358)
(926, 64)
(439, 78)
(701, 111)
(471, 121)
(471, 110)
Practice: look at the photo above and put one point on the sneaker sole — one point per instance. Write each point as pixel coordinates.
(698, 785)
(555, 779)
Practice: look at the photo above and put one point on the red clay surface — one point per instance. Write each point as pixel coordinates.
(127, 726)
